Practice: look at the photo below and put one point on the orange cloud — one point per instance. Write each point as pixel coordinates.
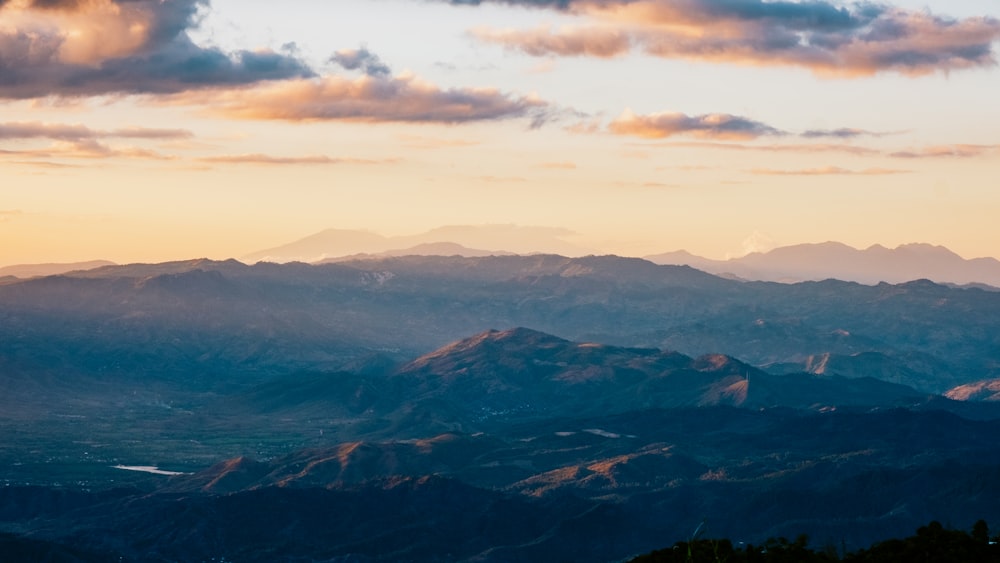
(78, 33)
(947, 151)
(42, 164)
(712, 126)
(940, 151)
(593, 42)
(78, 141)
(86, 149)
(840, 133)
(809, 148)
(830, 39)
(366, 99)
(64, 132)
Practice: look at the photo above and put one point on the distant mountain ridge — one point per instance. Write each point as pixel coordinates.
(52, 269)
(424, 249)
(834, 260)
(178, 318)
(788, 264)
(461, 240)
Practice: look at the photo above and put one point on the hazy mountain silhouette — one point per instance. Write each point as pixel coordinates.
(833, 260)
(36, 270)
(425, 249)
(460, 240)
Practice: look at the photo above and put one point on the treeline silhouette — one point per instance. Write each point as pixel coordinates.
(932, 543)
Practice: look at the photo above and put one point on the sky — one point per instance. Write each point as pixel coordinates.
(153, 130)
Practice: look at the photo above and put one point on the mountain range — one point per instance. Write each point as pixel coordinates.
(38, 270)
(207, 320)
(463, 240)
(833, 260)
(491, 408)
(789, 264)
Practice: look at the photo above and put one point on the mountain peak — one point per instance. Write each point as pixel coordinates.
(491, 342)
(931, 250)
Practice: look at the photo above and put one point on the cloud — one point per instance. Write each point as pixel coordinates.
(361, 59)
(78, 141)
(758, 242)
(63, 132)
(828, 38)
(41, 164)
(284, 160)
(710, 126)
(594, 42)
(560, 4)
(72, 49)
(810, 148)
(940, 151)
(99, 47)
(947, 151)
(86, 149)
(841, 133)
(367, 99)
(148, 133)
(829, 171)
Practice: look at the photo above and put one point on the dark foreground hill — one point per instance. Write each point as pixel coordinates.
(932, 542)
(574, 489)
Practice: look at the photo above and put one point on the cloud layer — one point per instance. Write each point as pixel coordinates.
(82, 48)
(832, 39)
(79, 141)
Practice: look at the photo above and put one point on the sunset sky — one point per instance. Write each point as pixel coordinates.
(151, 130)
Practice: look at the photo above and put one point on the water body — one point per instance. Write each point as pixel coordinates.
(149, 469)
